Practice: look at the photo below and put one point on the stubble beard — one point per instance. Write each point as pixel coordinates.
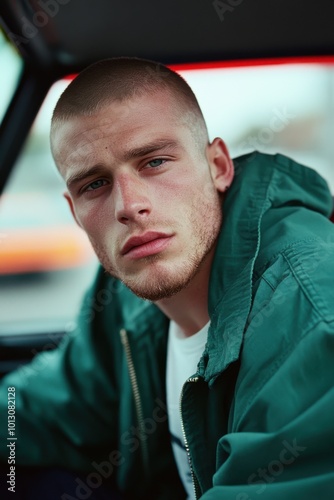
(161, 280)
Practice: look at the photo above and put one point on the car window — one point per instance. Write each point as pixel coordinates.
(284, 108)
(46, 262)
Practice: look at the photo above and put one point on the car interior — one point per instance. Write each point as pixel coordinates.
(55, 39)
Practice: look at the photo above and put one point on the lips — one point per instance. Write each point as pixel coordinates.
(147, 244)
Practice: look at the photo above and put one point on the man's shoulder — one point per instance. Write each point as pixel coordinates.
(301, 272)
(297, 239)
(290, 329)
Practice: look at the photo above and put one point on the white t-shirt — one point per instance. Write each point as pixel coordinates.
(183, 355)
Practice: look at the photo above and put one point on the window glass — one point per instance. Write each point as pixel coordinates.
(46, 262)
(286, 108)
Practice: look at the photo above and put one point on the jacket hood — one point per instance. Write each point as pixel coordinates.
(257, 212)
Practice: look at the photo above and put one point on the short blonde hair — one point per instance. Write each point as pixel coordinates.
(122, 78)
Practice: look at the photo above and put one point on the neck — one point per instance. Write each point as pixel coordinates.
(189, 308)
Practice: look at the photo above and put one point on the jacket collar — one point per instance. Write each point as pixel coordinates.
(230, 288)
(262, 182)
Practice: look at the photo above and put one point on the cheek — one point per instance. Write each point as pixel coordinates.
(200, 191)
(94, 217)
(179, 184)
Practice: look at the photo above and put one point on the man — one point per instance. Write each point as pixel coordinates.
(202, 363)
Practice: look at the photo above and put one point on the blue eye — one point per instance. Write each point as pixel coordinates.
(95, 185)
(156, 163)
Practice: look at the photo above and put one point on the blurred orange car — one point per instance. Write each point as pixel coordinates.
(36, 237)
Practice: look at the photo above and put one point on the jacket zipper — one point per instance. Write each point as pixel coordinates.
(137, 398)
(193, 476)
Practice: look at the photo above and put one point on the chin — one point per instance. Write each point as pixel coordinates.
(160, 282)
(153, 294)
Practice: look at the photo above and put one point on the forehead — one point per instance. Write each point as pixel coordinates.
(117, 126)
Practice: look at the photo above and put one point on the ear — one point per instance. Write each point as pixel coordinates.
(221, 165)
(69, 200)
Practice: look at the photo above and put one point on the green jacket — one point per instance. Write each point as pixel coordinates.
(258, 416)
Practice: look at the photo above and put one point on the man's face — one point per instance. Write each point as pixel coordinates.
(142, 191)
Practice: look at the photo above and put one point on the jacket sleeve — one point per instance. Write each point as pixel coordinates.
(281, 442)
(294, 460)
(65, 400)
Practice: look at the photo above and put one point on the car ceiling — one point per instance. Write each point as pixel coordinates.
(69, 34)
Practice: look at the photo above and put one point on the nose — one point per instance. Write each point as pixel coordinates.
(132, 203)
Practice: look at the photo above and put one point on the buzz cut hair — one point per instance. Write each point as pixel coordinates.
(124, 78)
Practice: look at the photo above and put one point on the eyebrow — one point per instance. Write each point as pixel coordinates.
(149, 148)
(130, 154)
